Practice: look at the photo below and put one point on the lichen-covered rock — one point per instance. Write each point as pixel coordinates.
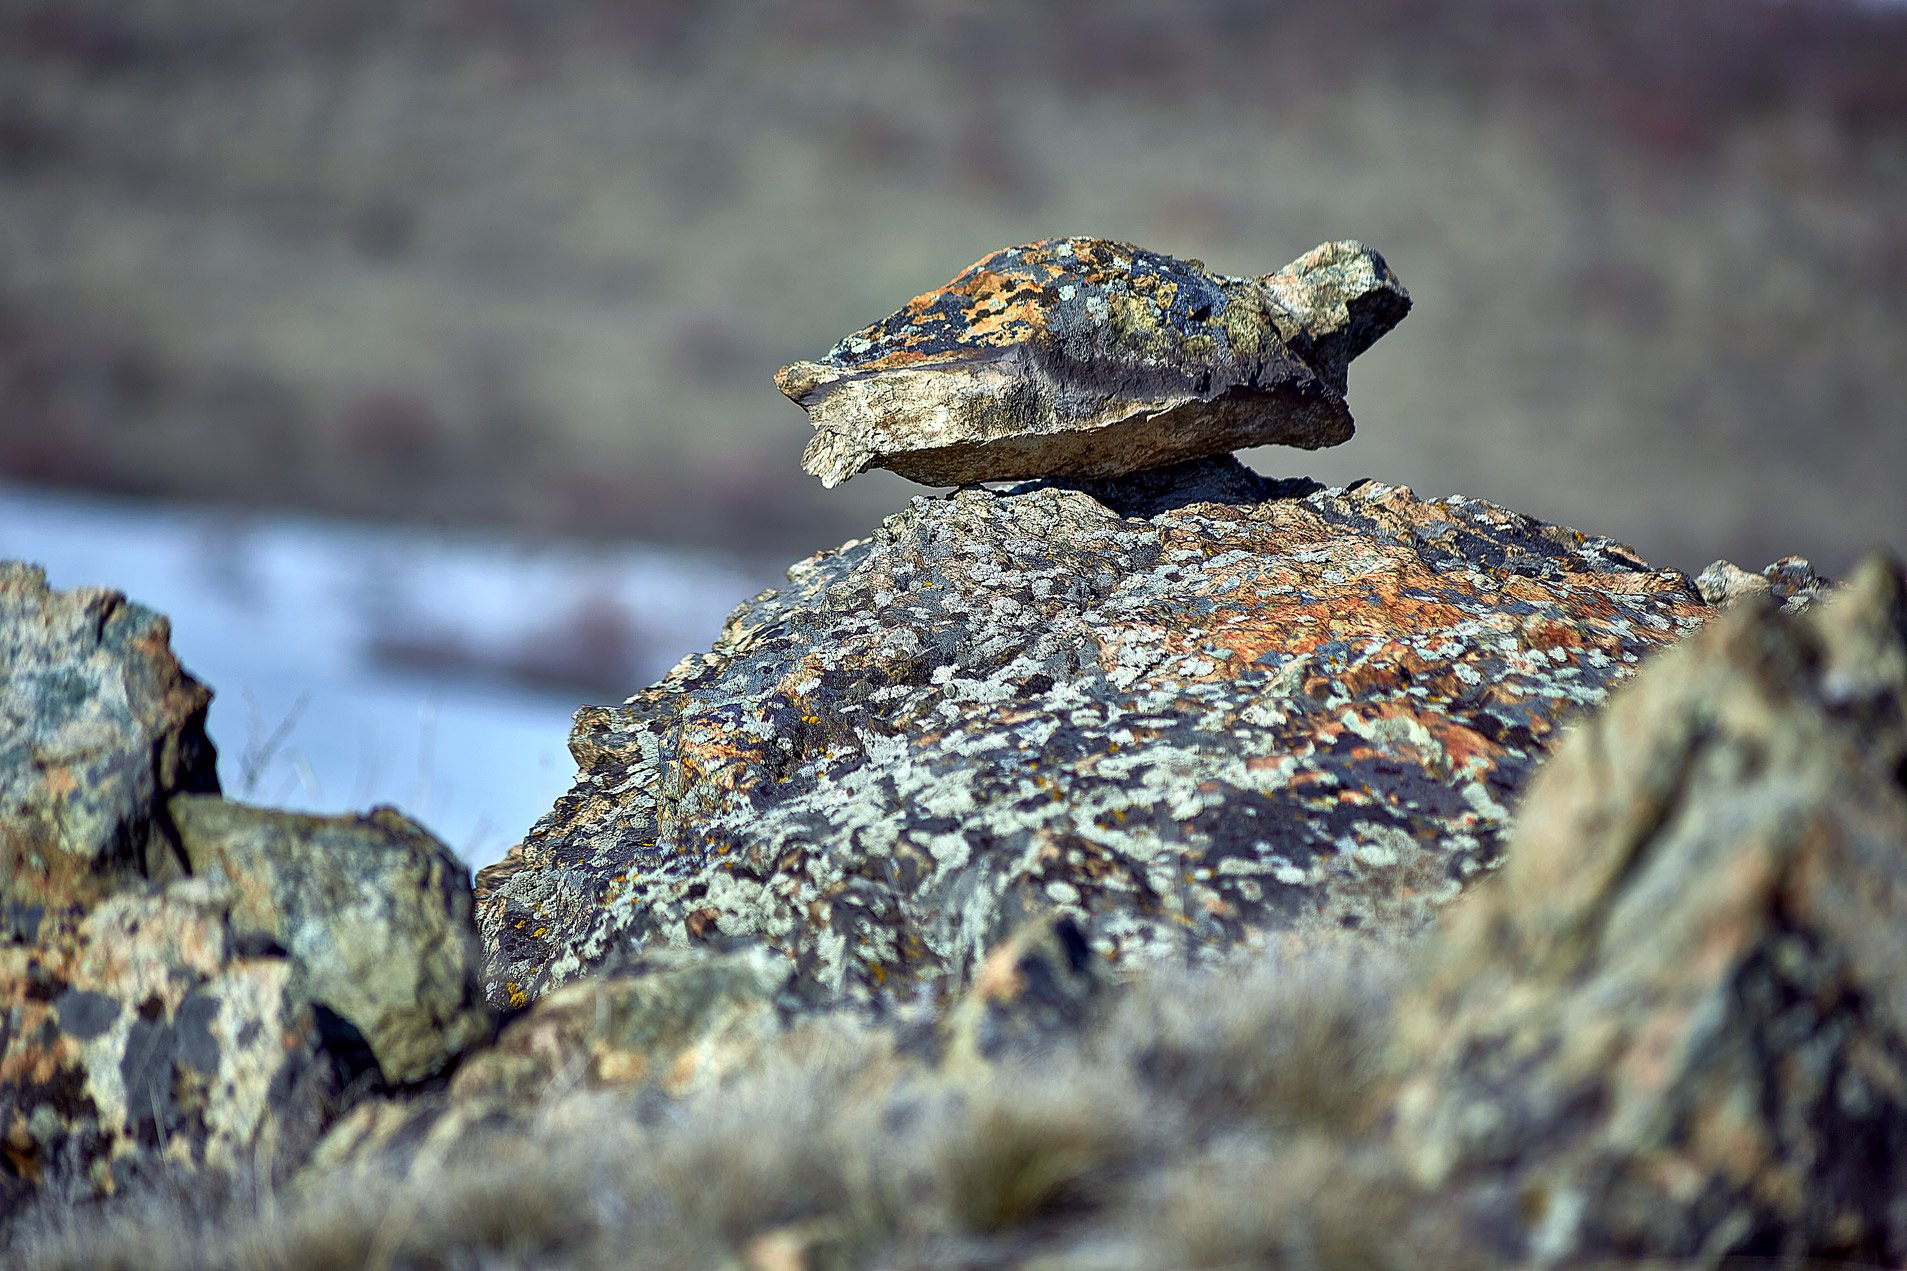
(1079, 357)
(374, 911)
(187, 985)
(98, 726)
(1676, 1025)
(1183, 723)
(150, 1044)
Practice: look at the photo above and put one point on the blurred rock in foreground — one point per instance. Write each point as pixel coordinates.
(1677, 1024)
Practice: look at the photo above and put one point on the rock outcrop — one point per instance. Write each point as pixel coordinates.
(186, 984)
(1676, 1025)
(1079, 357)
(878, 897)
(1187, 709)
(1670, 1028)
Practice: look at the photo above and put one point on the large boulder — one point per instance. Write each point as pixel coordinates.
(1081, 357)
(1185, 709)
(1676, 1024)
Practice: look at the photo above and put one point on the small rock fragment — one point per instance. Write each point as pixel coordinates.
(1791, 581)
(679, 1022)
(1724, 583)
(1081, 357)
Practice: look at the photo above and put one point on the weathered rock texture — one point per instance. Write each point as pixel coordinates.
(1791, 582)
(1676, 1025)
(1196, 709)
(153, 1043)
(681, 1024)
(186, 984)
(375, 912)
(673, 1025)
(1080, 357)
(98, 726)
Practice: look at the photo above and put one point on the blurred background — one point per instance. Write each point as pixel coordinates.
(454, 321)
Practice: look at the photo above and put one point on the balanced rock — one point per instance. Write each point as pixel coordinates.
(1186, 710)
(1080, 357)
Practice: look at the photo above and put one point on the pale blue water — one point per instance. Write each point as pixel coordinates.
(291, 620)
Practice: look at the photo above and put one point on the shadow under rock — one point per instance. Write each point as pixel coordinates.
(1217, 479)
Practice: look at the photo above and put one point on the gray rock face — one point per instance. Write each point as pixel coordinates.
(1079, 357)
(1677, 1024)
(1184, 724)
(98, 726)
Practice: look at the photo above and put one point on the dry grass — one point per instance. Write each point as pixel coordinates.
(1289, 1045)
(1104, 1153)
(1215, 1119)
(1035, 1146)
